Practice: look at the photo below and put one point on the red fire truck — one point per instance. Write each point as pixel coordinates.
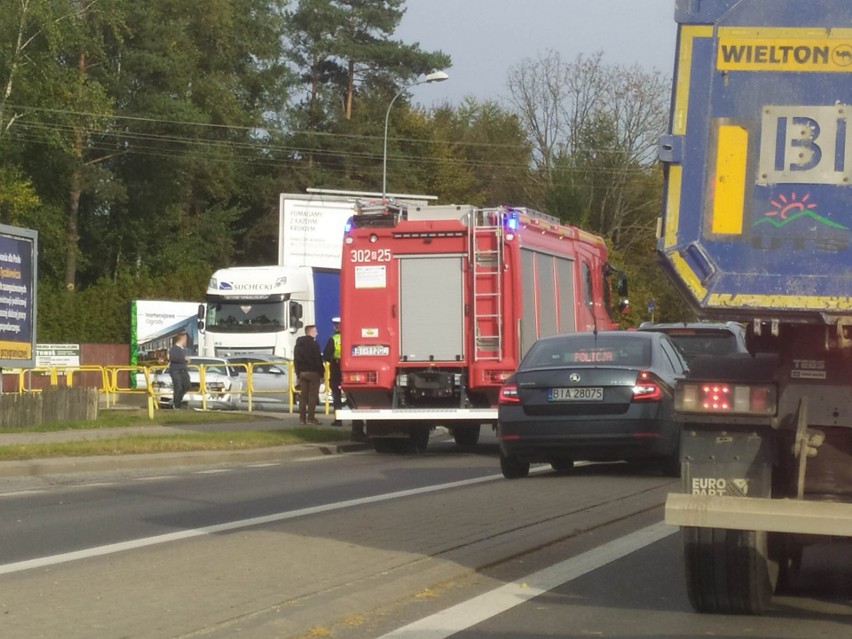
(440, 303)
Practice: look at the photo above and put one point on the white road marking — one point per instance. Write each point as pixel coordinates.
(22, 493)
(99, 551)
(473, 611)
(213, 471)
(478, 609)
(269, 465)
(155, 478)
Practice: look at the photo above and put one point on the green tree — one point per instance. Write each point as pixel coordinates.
(338, 45)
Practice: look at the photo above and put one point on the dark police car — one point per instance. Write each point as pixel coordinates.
(594, 396)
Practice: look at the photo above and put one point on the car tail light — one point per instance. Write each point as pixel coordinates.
(509, 394)
(725, 397)
(646, 388)
(360, 377)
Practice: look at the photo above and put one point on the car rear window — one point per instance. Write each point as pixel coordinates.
(692, 344)
(588, 351)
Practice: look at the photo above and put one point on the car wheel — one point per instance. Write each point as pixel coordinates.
(513, 468)
(562, 465)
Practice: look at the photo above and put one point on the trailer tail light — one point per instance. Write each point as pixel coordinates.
(725, 397)
(360, 377)
(647, 388)
(509, 394)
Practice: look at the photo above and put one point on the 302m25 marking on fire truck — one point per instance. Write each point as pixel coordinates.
(366, 256)
(806, 145)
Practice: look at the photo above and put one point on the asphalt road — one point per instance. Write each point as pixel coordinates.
(360, 546)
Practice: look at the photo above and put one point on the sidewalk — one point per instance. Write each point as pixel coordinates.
(270, 421)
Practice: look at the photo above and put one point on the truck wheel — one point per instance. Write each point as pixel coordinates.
(513, 468)
(789, 554)
(728, 571)
(466, 436)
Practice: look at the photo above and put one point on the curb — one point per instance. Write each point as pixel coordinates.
(65, 465)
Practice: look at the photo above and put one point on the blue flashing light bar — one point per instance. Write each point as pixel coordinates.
(512, 221)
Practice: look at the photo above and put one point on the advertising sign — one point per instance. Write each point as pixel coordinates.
(311, 231)
(154, 323)
(62, 355)
(18, 267)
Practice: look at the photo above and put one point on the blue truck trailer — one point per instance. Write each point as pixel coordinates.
(757, 227)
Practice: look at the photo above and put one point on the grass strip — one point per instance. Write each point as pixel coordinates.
(142, 444)
(111, 418)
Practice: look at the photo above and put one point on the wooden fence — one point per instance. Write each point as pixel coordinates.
(52, 405)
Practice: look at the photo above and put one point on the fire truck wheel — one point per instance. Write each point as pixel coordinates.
(466, 435)
(382, 444)
(419, 437)
(728, 571)
(513, 468)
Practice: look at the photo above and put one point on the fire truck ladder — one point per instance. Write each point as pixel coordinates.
(485, 241)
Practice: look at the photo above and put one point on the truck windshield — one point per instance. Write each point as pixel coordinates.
(249, 316)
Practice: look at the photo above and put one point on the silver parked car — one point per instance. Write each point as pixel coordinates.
(270, 381)
(223, 384)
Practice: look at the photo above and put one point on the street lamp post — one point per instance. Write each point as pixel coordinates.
(435, 76)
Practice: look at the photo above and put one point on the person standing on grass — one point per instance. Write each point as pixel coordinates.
(309, 367)
(178, 370)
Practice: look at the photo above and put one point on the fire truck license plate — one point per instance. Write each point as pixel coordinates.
(575, 394)
(377, 350)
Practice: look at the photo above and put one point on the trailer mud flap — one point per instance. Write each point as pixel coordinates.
(727, 462)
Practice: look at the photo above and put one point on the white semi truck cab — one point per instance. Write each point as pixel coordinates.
(263, 309)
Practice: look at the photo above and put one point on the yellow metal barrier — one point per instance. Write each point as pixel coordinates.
(27, 372)
(295, 391)
(111, 386)
(291, 390)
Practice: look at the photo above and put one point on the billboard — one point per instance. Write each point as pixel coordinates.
(18, 269)
(154, 323)
(311, 230)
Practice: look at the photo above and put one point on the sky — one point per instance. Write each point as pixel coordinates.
(487, 37)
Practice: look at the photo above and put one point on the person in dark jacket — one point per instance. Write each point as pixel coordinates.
(308, 364)
(178, 370)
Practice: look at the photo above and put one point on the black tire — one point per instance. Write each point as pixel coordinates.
(418, 438)
(513, 468)
(728, 571)
(382, 445)
(399, 446)
(563, 465)
(788, 552)
(670, 465)
(466, 435)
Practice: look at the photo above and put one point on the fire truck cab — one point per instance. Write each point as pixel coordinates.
(440, 303)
